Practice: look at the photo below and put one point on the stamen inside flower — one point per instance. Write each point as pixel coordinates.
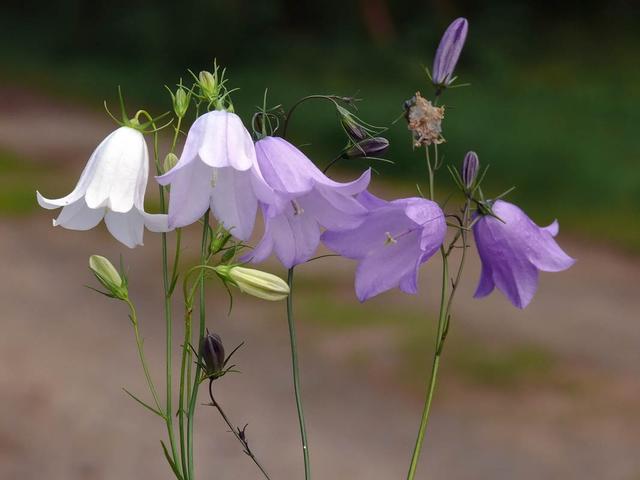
(214, 178)
(297, 209)
(389, 239)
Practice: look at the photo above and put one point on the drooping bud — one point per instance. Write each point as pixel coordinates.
(108, 276)
(181, 102)
(425, 121)
(369, 147)
(212, 354)
(448, 52)
(351, 126)
(470, 167)
(255, 282)
(170, 161)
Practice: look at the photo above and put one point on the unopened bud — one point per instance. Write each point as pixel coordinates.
(208, 84)
(448, 52)
(255, 282)
(108, 276)
(369, 147)
(212, 354)
(170, 161)
(470, 167)
(181, 102)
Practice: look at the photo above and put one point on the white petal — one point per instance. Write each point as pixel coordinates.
(222, 141)
(78, 216)
(126, 227)
(119, 169)
(156, 222)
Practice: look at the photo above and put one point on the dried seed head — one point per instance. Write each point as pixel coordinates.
(425, 121)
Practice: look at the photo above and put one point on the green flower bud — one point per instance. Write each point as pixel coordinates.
(255, 282)
(108, 276)
(170, 161)
(181, 102)
(208, 84)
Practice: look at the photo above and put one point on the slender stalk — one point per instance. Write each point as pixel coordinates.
(204, 259)
(237, 432)
(431, 387)
(285, 126)
(183, 380)
(296, 377)
(168, 313)
(139, 345)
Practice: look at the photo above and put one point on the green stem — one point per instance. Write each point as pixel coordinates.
(183, 379)
(204, 258)
(434, 371)
(139, 344)
(296, 377)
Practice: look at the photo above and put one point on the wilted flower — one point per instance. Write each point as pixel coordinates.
(212, 354)
(217, 169)
(111, 186)
(513, 249)
(470, 167)
(255, 282)
(369, 147)
(390, 245)
(310, 200)
(425, 121)
(448, 52)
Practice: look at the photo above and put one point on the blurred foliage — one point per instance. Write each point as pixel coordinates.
(553, 105)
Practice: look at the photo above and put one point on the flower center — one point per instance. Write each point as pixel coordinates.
(214, 178)
(389, 240)
(297, 209)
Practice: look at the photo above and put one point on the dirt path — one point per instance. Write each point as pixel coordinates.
(65, 353)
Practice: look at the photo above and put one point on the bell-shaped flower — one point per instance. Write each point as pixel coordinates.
(112, 187)
(448, 52)
(390, 245)
(309, 200)
(513, 249)
(217, 170)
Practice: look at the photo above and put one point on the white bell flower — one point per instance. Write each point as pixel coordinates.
(111, 186)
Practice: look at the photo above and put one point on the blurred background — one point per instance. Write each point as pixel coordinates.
(553, 107)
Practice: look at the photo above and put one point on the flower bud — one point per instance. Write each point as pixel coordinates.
(212, 354)
(108, 276)
(208, 84)
(448, 52)
(255, 282)
(470, 167)
(181, 102)
(369, 147)
(170, 161)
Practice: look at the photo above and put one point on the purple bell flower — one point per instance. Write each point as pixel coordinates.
(513, 251)
(217, 170)
(390, 245)
(449, 51)
(308, 200)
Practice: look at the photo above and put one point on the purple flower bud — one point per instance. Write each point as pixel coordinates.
(449, 51)
(470, 167)
(368, 147)
(212, 353)
(353, 129)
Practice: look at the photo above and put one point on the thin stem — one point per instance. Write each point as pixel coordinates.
(295, 105)
(431, 174)
(183, 380)
(238, 433)
(431, 387)
(296, 377)
(204, 259)
(139, 344)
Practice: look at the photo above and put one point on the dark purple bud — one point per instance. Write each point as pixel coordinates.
(449, 51)
(355, 131)
(470, 167)
(369, 147)
(212, 353)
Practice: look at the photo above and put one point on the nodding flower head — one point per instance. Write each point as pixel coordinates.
(368, 147)
(448, 52)
(111, 186)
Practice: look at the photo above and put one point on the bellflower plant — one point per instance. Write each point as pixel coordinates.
(390, 245)
(311, 199)
(513, 249)
(216, 168)
(111, 186)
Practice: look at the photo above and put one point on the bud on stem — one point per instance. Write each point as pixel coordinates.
(255, 282)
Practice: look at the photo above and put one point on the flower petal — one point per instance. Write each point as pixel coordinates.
(127, 228)
(190, 193)
(78, 216)
(485, 284)
(295, 237)
(223, 141)
(233, 201)
(156, 222)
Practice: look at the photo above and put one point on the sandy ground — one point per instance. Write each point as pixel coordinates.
(66, 353)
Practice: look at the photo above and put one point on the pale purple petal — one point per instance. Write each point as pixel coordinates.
(233, 201)
(449, 51)
(553, 228)
(190, 193)
(295, 237)
(485, 285)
